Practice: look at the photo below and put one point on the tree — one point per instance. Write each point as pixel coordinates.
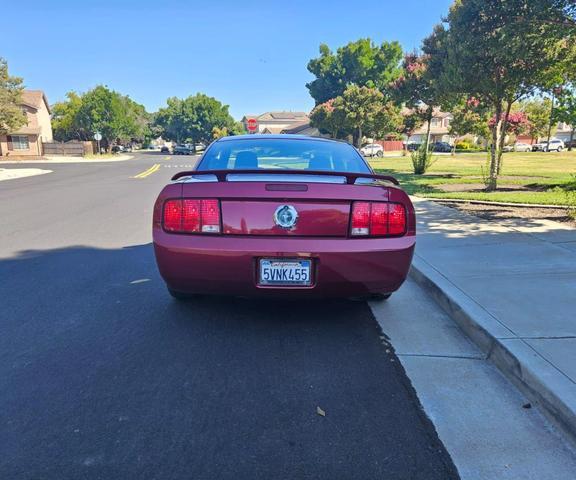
(64, 119)
(565, 110)
(361, 63)
(469, 116)
(358, 111)
(115, 116)
(500, 51)
(328, 120)
(195, 119)
(11, 115)
(538, 112)
(417, 89)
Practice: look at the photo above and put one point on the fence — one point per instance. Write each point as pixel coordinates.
(68, 148)
(391, 145)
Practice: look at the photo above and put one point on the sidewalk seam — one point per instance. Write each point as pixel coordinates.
(532, 373)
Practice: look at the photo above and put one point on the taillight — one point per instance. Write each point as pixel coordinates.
(377, 219)
(360, 218)
(191, 215)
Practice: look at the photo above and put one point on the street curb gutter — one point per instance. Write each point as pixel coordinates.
(538, 379)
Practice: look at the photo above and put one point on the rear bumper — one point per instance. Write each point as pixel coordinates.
(227, 265)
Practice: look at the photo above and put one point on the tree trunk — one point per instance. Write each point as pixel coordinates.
(496, 132)
(571, 138)
(359, 139)
(428, 128)
(504, 128)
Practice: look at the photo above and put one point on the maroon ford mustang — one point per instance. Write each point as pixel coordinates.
(283, 215)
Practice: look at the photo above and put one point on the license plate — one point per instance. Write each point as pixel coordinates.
(285, 272)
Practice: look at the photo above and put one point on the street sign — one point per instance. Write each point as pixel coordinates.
(252, 125)
(97, 136)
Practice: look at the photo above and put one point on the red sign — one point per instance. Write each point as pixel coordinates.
(252, 124)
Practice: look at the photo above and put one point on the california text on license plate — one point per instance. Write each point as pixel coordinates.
(285, 272)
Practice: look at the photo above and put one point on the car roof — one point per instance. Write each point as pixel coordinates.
(264, 136)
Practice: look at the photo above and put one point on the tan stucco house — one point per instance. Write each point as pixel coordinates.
(27, 140)
(275, 122)
(439, 129)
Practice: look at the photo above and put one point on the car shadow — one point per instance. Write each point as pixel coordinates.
(104, 375)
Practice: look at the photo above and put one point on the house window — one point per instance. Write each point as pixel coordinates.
(436, 122)
(19, 142)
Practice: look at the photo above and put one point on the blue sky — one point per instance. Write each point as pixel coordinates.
(250, 55)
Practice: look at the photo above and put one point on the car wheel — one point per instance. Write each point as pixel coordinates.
(380, 153)
(559, 149)
(183, 297)
(380, 297)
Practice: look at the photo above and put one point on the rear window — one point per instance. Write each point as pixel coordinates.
(248, 154)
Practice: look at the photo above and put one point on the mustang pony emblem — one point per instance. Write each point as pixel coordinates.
(285, 216)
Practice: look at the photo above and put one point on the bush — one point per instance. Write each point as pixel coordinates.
(466, 144)
(421, 160)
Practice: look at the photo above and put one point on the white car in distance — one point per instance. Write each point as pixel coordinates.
(372, 150)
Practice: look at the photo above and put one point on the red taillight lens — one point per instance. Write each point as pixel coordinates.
(191, 215)
(377, 219)
(173, 216)
(210, 216)
(396, 219)
(360, 219)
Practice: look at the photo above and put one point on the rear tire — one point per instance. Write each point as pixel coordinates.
(380, 297)
(380, 154)
(182, 297)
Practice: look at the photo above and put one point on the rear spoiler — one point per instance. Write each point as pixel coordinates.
(350, 177)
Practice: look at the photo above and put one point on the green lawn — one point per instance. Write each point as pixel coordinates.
(544, 178)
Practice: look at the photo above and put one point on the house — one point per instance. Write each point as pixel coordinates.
(275, 122)
(439, 129)
(27, 140)
(303, 128)
(563, 132)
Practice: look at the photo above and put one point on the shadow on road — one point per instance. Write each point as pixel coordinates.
(104, 378)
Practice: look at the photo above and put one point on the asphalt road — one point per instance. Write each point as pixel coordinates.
(104, 376)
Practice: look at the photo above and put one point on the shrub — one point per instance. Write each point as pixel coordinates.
(466, 144)
(421, 160)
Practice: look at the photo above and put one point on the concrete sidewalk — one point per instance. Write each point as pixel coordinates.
(511, 286)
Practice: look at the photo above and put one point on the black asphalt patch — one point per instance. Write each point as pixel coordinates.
(104, 379)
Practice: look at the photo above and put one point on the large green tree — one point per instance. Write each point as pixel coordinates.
(538, 111)
(359, 111)
(500, 51)
(195, 119)
(64, 119)
(469, 117)
(417, 89)
(115, 116)
(361, 63)
(11, 115)
(565, 110)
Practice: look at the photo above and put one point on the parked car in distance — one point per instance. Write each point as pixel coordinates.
(183, 150)
(441, 147)
(556, 145)
(517, 147)
(522, 147)
(117, 149)
(412, 146)
(283, 216)
(372, 150)
(127, 148)
(164, 149)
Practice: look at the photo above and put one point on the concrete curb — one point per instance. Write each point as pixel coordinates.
(535, 376)
(498, 204)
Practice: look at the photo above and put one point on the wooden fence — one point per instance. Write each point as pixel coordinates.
(391, 145)
(78, 149)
